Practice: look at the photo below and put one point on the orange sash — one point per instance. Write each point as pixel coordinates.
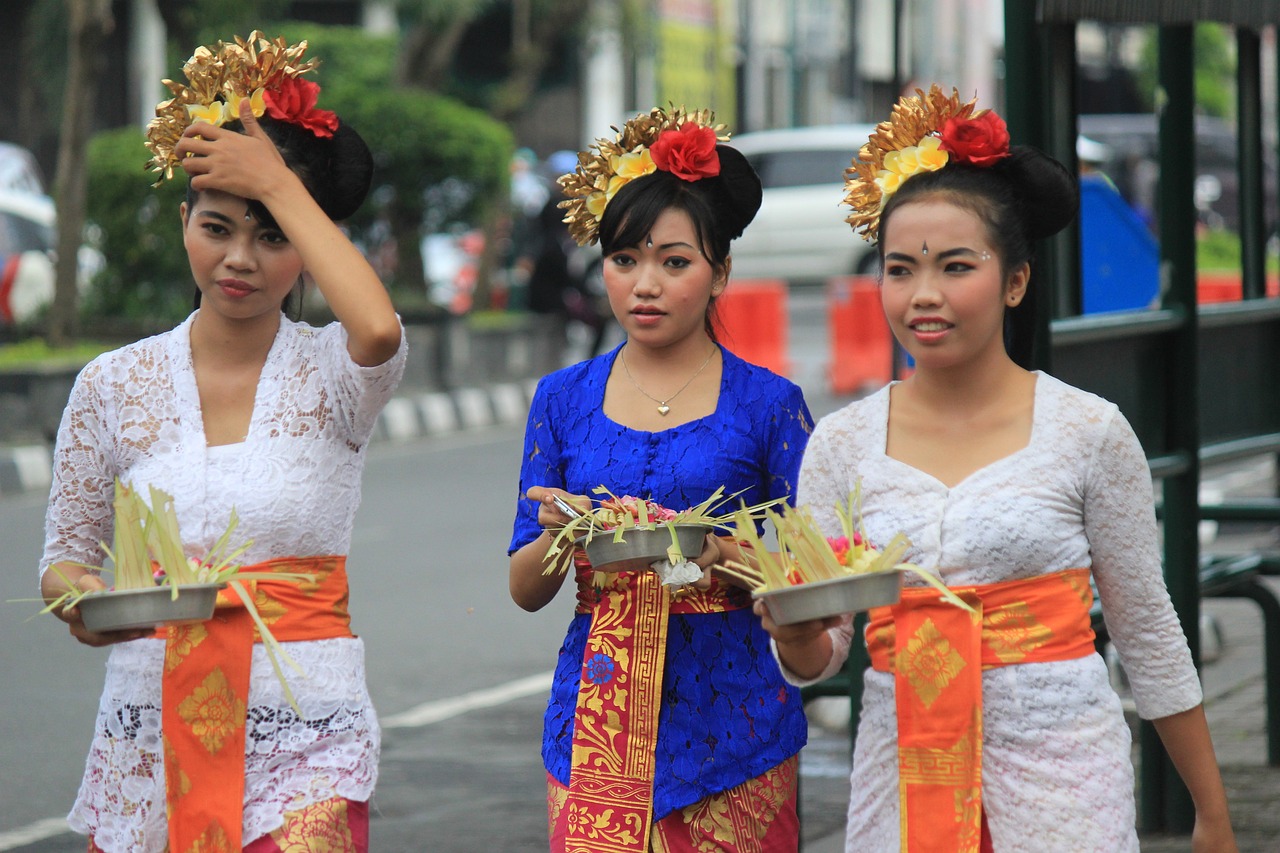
(937, 652)
(205, 694)
(615, 734)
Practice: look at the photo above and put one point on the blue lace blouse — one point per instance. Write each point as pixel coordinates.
(727, 714)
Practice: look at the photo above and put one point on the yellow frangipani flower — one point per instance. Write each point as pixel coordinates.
(912, 160)
(633, 164)
(596, 203)
(213, 114)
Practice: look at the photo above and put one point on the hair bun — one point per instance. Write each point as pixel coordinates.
(1048, 191)
(739, 187)
(350, 174)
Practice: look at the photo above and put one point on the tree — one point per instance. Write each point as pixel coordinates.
(538, 29)
(90, 22)
(1214, 56)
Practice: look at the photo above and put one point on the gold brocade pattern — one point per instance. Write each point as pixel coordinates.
(932, 766)
(213, 840)
(556, 798)
(176, 784)
(931, 663)
(319, 828)
(184, 639)
(1079, 583)
(212, 710)
(732, 821)
(610, 801)
(606, 699)
(269, 608)
(1015, 632)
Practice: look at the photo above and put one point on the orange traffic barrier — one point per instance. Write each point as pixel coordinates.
(1226, 287)
(751, 320)
(861, 343)
(1218, 287)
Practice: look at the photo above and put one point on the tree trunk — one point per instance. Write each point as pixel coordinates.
(89, 23)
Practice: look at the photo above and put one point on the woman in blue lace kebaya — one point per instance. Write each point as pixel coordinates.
(669, 726)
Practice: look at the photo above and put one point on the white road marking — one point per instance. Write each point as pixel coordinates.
(443, 709)
(38, 831)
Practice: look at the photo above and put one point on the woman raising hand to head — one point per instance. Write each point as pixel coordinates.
(239, 410)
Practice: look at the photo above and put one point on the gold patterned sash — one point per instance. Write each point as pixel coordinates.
(609, 804)
(937, 653)
(205, 694)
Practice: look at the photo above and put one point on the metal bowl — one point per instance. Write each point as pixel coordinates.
(639, 547)
(819, 599)
(126, 609)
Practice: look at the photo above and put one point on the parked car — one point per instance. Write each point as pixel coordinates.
(28, 239)
(800, 234)
(19, 171)
(1133, 143)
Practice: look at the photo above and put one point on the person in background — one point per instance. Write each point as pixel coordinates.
(238, 410)
(993, 728)
(669, 726)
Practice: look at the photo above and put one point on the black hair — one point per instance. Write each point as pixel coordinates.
(1025, 197)
(720, 207)
(337, 171)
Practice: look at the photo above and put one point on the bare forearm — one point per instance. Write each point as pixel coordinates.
(350, 286)
(805, 658)
(532, 586)
(1186, 738)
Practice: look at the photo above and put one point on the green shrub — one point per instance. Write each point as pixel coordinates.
(140, 234)
(437, 162)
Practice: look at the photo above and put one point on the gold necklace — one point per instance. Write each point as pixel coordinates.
(663, 408)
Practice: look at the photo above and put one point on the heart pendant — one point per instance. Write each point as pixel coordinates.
(663, 409)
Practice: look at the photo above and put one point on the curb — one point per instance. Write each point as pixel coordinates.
(28, 468)
(438, 413)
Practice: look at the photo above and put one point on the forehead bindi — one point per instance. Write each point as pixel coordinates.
(940, 226)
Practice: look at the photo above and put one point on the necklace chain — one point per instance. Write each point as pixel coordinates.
(663, 408)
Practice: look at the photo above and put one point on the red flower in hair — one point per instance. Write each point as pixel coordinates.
(688, 153)
(981, 140)
(294, 101)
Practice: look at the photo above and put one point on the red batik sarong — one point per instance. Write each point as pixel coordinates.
(937, 652)
(608, 806)
(332, 826)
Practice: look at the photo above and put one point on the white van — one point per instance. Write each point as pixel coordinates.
(800, 234)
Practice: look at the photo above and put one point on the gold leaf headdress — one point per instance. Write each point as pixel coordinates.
(905, 145)
(608, 165)
(218, 78)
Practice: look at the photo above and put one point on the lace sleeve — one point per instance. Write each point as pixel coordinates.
(1120, 524)
(823, 483)
(540, 466)
(792, 425)
(79, 515)
(361, 392)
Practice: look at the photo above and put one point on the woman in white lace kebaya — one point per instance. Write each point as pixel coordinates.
(997, 729)
(238, 409)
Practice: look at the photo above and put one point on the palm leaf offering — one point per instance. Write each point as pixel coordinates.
(617, 516)
(805, 554)
(147, 552)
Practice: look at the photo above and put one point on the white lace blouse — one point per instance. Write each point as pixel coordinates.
(295, 484)
(1056, 769)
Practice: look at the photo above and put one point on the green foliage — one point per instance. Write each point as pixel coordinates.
(35, 351)
(436, 160)
(1215, 68)
(146, 274)
(1217, 251)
